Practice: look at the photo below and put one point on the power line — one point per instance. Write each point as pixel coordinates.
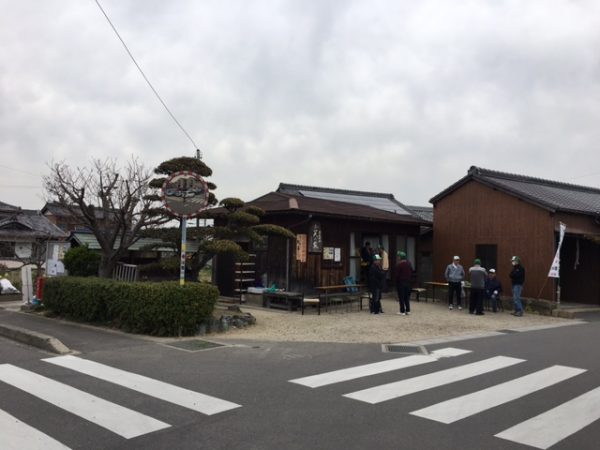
(145, 77)
(20, 170)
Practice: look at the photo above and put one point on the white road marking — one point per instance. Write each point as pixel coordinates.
(149, 386)
(405, 387)
(460, 407)
(547, 429)
(118, 419)
(17, 435)
(365, 370)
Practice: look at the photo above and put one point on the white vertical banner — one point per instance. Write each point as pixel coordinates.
(555, 268)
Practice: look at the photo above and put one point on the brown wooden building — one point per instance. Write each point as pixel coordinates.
(493, 215)
(331, 225)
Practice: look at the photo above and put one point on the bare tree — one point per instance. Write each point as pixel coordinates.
(111, 201)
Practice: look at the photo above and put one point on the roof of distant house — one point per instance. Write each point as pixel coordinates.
(551, 195)
(26, 223)
(290, 198)
(142, 244)
(56, 209)
(424, 212)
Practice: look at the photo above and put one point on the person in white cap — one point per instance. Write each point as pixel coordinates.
(455, 275)
(493, 290)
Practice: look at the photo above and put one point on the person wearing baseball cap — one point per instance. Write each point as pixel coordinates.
(493, 289)
(455, 274)
(478, 276)
(404, 273)
(517, 277)
(376, 284)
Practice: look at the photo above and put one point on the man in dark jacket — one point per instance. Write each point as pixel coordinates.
(478, 276)
(404, 273)
(517, 277)
(493, 289)
(366, 259)
(376, 284)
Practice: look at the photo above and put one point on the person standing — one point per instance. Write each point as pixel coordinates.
(385, 265)
(454, 275)
(493, 289)
(404, 271)
(376, 283)
(385, 259)
(517, 277)
(478, 276)
(366, 258)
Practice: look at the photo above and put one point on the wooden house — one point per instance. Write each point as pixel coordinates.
(26, 236)
(494, 215)
(331, 226)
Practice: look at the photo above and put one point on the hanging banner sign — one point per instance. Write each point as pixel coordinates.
(301, 240)
(555, 268)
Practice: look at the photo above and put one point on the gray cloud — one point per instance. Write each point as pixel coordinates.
(391, 96)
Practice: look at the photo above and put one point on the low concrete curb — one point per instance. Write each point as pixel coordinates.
(39, 340)
(573, 313)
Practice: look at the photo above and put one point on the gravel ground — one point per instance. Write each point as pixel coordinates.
(427, 321)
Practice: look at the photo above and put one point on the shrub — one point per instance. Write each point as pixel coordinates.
(162, 309)
(165, 268)
(82, 262)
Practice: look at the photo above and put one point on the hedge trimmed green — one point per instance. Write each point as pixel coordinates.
(160, 309)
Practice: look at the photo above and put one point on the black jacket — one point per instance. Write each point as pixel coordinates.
(517, 275)
(376, 277)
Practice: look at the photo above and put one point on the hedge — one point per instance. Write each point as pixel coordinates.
(160, 309)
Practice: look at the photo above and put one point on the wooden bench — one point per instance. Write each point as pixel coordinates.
(418, 292)
(283, 299)
(312, 302)
(340, 294)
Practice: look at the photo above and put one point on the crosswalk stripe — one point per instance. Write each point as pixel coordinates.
(17, 435)
(148, 386)
(397, 389)
(547, 429)
(365, 370)
(118, 419)
(460, 407)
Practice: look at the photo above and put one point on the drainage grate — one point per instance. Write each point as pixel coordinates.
(411, 349)
(193, 345)
(507, 331)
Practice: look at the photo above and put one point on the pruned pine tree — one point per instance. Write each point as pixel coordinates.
(235, 222)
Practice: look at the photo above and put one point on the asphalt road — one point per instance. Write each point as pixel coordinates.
(255, 406)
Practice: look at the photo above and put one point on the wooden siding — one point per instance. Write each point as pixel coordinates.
(304, 276)
(476, 214)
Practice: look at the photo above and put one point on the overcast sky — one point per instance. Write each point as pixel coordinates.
(390, 96)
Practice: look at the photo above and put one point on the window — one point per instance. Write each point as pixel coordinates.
(488, 254)
(7, 249)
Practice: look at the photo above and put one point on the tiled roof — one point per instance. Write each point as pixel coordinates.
(424, 212)
(140, 245)
(552, 195)
(5, 207)
(56, 209)
(274, 202)
(25, 223)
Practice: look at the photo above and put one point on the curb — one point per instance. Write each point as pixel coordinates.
(34, 339)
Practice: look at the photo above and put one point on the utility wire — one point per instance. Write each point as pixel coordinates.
(145, 77)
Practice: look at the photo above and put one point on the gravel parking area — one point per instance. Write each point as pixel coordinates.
(427, 321)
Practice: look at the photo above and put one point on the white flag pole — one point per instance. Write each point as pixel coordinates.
(555, 268)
